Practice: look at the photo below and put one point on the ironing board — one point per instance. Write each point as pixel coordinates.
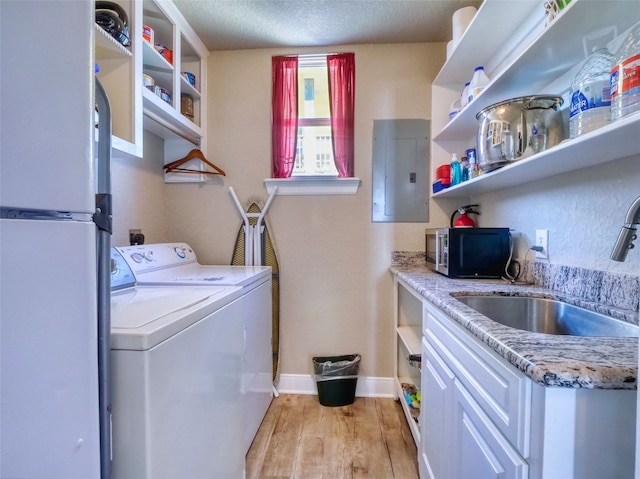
(254, 247)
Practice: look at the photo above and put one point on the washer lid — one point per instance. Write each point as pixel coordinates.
(143, 317)
(214, 275)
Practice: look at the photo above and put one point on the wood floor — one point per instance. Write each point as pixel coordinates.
(301, 439)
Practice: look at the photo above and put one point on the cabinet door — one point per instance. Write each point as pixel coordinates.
(437, 396)
(479, 449)
(503, 392)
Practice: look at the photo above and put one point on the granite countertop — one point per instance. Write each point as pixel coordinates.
(549, 360)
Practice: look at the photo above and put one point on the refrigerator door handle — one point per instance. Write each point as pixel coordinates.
(102, 218)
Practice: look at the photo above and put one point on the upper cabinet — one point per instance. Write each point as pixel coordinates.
(525, 56)
(174, 69)
(119, 68)
(158, 82)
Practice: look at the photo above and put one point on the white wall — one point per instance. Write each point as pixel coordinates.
(583, 211)
(335, 288)
(139, 195)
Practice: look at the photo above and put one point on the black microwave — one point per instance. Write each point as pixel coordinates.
(468, 252)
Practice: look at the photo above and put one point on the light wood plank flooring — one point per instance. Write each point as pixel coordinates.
(301, 439)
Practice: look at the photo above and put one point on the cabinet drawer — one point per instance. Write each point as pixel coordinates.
(503, 392)
(481, 449)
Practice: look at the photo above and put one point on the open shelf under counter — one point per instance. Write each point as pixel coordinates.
(411, 338)
(614, 141)
(413, 425)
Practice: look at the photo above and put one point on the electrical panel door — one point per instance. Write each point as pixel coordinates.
(400, 170)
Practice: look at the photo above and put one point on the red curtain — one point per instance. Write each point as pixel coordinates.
(342, 80)
(284, 111)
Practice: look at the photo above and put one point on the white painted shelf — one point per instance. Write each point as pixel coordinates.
(413, 425)
(162, 113)
(530, 64)
(411, 339)
(617, 140)
(407, 341)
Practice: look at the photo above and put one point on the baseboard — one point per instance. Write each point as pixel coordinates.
(306, 384)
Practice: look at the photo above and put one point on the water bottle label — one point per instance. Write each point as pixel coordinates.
(593, 95)
(625, 77)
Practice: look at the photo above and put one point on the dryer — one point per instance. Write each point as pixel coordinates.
(176, 264)
(176, 367)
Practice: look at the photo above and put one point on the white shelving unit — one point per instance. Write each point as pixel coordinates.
(408, 338)
(189, 54)
(119, 68)
(134, 107)
(527, 59)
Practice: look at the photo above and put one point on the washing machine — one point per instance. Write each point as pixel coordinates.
(176, 379)
(176, 264)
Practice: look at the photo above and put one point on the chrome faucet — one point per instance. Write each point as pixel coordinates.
(628, 233)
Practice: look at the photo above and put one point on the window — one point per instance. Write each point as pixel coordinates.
(312, 115)
(314, 149)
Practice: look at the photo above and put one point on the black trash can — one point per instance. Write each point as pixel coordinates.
(337, 378)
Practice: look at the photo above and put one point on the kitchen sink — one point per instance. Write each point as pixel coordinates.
(549, 316)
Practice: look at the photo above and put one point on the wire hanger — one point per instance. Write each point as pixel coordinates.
(176, 166)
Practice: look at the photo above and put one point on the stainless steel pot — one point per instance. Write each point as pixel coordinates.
(514, 129)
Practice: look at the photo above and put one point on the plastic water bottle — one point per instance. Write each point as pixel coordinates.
(464, 164)
(590, 94)
(625, 76)
(479, 81)
(456, 170)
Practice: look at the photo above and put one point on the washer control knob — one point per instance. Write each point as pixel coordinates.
(137, 257)
(181, 252)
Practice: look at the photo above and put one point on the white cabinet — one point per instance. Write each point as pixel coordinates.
(120, 75)
(478, 447)
(407, 342)
(475, 407)
(164, 116)
(136, 108)
(437, 398)
(523, 57)
(481, 417)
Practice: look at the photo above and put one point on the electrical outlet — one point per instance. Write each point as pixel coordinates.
(542, 240)
(136, 237)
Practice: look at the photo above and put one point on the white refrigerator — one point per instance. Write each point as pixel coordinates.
(54, 395)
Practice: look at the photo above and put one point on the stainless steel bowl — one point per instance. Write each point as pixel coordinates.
(514, 129)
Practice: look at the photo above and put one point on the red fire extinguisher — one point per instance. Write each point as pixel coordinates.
(464, 221)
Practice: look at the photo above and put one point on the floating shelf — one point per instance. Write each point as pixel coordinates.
(614, 141)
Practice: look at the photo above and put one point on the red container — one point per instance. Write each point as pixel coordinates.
(147, 33)
(165, 52)
(443, 173)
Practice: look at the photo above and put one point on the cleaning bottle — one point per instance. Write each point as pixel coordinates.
(479, 81)
(625, 76)
(590, 94)
(464, 97)
(456, 170)
(455, 109)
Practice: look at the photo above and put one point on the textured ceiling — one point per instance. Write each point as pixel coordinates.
(247, 24)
